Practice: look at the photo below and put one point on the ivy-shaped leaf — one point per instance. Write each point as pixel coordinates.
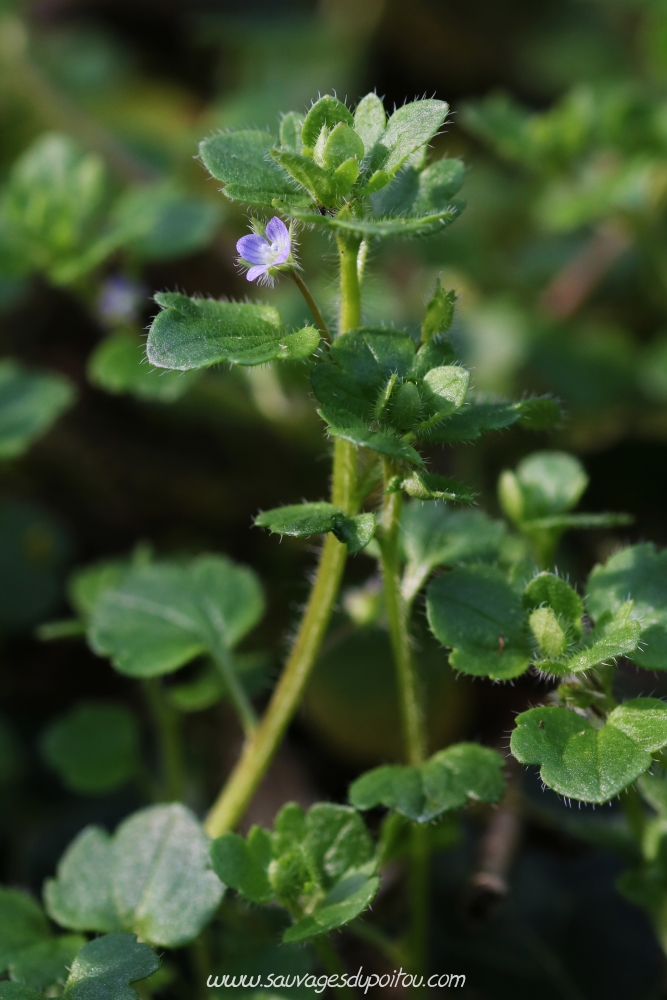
(104, 968)
(319, 865)
(153, 878)
(30, 402)
(476, 612)
(638, 572)
(163, 615)
(448, 780)
(586, 762)
(195, 333)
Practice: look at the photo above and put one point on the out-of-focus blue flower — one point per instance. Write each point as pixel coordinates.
(119, 300)
(265, 252)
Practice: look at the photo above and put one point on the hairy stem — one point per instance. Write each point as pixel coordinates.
(239, 699)
(312, 305)
(412, 713)
(167, 724)
(261, 745)
(350, 289)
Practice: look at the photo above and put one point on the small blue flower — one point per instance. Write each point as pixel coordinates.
(265, 252)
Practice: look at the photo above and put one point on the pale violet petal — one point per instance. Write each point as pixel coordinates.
(257, 271)
(255, 249)
(278, 233)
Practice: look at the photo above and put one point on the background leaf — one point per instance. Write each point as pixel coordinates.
(30, 402)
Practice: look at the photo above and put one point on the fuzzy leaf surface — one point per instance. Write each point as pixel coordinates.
(475, 419)
(80, 897)
(241, 160)
(409, 128)
(476, 612)
(105, 967)
(586, 763)
(197, 333)
(448, 780)
(638, 572)
(429, 486)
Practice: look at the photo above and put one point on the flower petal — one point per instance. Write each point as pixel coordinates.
(278, 233)
(255, 249)
(257, 271)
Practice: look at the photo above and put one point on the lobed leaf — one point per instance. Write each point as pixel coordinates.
(242, 162)
(80, 897)
(448, 780)
(302, 520)
(371, 227)
(638, 572)
(475, 419)
(476, 612)
(197, 333)
(345, 425)
(409, 128)
(586, 763)
(161, 616)
(243, 864)
(429, 486)
(104, 968)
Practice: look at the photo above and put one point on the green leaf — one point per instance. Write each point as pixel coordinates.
(552, 590)
(437, 353)
(435, 535)
(448, 780)
(165, 223)
(196, 333)
(46, 963)
(429, 486)
(17, 991)
(614, 635)
(416, 193)
(370, 355)
(444, 391)
(57, 202)
(22, 924)
(242, 161)
(320, 866)
(104, 968)
(163, 615)
(586, 763)
(94, 748)
(303, 519)
(325, 113)
(367, 228)
(476, 419)
(30, 402)
(475, 611)
(87, 584)
(409, 128)
(344, 903)
(342, 144)
(117, 365)
(308, 174)
(163, 887)
(549, 482)
(369, 120)
(638, 572)
(208, 687)
(80, 897)
(350, 428)
(243, 864)
(564, 522)
(291, 126)
(439, 313)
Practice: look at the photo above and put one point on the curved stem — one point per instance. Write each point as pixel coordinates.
(312, 305)
(261, 745)
(167, 724)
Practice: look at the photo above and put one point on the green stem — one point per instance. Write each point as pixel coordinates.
(419, 898)
(330, 962)
(374, 936)
(350, 289)
(412, 713)
(167, 722)
(239, 698)
(262, 744)
(312, 305)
